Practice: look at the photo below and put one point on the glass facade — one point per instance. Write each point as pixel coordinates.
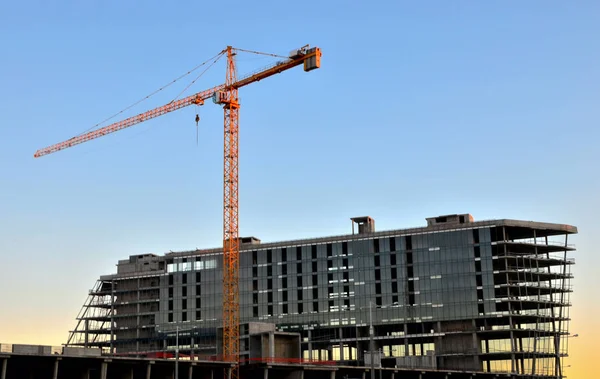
(487, 296)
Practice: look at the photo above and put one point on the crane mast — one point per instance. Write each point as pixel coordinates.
(226, 95)
(231, 243)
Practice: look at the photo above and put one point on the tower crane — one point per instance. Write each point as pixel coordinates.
(226, 95)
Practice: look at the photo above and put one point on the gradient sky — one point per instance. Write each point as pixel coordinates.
(419, 109)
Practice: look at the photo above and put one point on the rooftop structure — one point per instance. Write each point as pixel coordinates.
(457, 294)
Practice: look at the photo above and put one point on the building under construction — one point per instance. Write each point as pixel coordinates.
(457, 294)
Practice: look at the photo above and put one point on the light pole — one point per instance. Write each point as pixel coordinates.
(371, 343)
(177, 352)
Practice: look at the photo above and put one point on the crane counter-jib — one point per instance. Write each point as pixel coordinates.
(310, 58)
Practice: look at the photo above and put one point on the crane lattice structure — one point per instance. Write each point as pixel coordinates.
(226, 95)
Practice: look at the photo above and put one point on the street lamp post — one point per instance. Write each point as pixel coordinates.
(177, 352)
(371, 343)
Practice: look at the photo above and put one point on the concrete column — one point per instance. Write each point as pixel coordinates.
(190, 372)
(266, 373)
(364, 375)
(229, 373)
(342, 358)
(4, 368)
(103, 370)
(393, 375)
(131, 373)
(271, 345)
(55, 373)
(148, 371)
(86, 374)
(192, 352)
(332, 375)
(310, 355)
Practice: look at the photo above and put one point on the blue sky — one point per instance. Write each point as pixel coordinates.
(419, 109)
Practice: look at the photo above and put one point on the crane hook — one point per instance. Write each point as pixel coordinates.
(197, 119)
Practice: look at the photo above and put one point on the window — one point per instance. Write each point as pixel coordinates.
(184, 278)
(198, 314)
(254, 311)
(299, 268)
(254, 298)
(392, 244)
(299, 281)
(270, 284)
(198, 303)
(314, 267)
(376, 245)
(315, 306)
(284, 255)
(255, 285)
(313, 251)
(378, 288)
(269, 256)
(344, 248)
(255, 271)
(329, 250)
(314, 280)
(284, 282)
(198, 277)
(270, 297)
(198, 290)
(393, 259)
(299, 253)
(184, 291)
(300, 295)
(170, 280)
(300, 308)
(254, 257)
(284, 269)
(170, 305)
(170, 316)
(170, 291)
(394, 287)
(285, 295)
(394, 273)
(345, 262)
(270, 310)
(378, 274)
(315, 293)
(377, 261)
(184, 304)
(285, 309)
(269, 270)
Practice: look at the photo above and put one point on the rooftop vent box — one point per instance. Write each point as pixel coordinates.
(450, 219)
(249, 241)
(365, 224)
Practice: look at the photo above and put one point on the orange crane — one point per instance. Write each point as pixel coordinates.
(227, 95)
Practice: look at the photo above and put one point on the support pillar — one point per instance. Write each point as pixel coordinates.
(86, 374)
(229, 373)
(55, 372)
(103, 370)
(190, 372)
(4, 368)
(271, 345)
(332, 375)
(265, 373)
(148, 370)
